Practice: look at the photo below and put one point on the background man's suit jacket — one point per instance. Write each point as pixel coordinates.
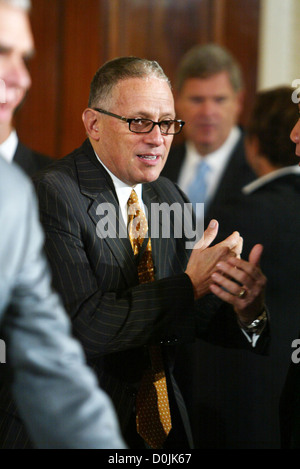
(113, 316)
(236, 174)
(29, 160)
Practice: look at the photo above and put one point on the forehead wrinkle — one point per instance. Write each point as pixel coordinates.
(139, 101)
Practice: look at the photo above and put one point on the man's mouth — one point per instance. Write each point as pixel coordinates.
(148, 157)
(207, 124)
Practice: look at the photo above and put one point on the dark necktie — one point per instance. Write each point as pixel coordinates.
(153, 416)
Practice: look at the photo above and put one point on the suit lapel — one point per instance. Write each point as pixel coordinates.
(96, 184)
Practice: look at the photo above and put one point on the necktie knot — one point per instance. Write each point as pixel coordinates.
(133, 201)
(137, 222)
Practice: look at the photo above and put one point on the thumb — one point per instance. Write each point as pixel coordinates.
(208, 236)
(255, 254)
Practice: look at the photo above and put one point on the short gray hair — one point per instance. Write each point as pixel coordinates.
(22, 4)
(122, 68)
(203, 61)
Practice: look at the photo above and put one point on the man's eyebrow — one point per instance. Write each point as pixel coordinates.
(4, 48)
(146, 115)
(27, 55)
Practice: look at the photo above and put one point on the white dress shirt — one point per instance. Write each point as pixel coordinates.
(123, 193)
(9, 146)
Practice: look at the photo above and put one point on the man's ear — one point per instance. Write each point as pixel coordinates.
(241, 95)
(253, 156)
(91, 124)
(177, 101)
(253, 143)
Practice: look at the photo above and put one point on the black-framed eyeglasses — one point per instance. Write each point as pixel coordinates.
(144, 126)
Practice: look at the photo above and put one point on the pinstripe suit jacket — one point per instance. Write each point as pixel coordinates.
(114, 317)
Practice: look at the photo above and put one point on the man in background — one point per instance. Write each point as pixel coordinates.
(16, 48)
(210, 165)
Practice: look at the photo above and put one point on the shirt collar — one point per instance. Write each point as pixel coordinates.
(255, 185)
(216, 160)
(9, 146)
(123, 191)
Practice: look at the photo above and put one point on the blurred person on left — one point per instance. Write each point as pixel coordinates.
(57, 395)
(16, 50)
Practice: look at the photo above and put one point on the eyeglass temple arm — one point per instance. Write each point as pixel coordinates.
(122, 118)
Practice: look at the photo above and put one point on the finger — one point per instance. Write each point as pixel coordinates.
(241, 268)
(223, 294)
(226, 283)
(237, 250)
(232, 241)
(255, 254)
(208, 236)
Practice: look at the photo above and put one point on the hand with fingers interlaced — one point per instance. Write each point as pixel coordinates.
(242, 284)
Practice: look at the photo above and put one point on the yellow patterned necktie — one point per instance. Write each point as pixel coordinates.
(153, 418)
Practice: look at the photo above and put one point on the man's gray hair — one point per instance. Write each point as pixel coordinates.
(22, 4)
(122, 68)
(203, 61)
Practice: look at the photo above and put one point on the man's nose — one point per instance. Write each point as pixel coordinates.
(155, 136)
(295, 133)
(207, 107)
(19, 75)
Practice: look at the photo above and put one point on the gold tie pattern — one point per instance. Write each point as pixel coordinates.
(153, 418)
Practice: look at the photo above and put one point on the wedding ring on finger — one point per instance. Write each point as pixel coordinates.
(242, 293)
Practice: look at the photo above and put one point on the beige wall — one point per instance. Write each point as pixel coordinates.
(279, 43)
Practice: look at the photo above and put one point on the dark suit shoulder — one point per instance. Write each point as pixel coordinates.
(29, 160)
(271, 208)
(78, 172)
(66, 164)
(178, 151)
(174, 162)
